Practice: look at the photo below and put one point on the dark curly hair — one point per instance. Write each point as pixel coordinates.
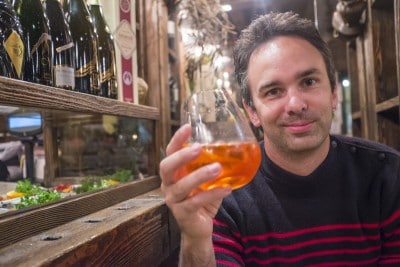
(265, 28)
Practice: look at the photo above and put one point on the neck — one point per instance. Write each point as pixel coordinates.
(298, 162)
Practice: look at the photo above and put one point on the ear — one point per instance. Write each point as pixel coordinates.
(252, 113)
(335, 98)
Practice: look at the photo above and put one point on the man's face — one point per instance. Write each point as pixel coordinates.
(292, 95)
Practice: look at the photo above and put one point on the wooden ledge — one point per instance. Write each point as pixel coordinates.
(21, 93)
(137, 232)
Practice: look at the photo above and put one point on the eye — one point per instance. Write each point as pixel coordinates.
(273, 92)
(310, 81)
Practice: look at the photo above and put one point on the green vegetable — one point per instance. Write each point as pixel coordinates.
(24, 186)
(90, 184)
(96, 183)
(41, 197)
(121, 176)
(34, 194)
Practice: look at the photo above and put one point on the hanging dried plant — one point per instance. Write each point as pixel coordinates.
(209, 24)
(207, 18)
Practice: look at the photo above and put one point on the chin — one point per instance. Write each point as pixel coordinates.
(305, 143)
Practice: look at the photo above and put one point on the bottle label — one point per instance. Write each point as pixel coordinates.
(15, 50)
(86, 69)
(64, 76)
(107, 75)
(64, 47)
(43, 38)
(95, 78)
(42, 51)
(126, 42)
(125, 39)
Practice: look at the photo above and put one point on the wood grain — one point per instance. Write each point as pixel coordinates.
(131, 233)
(21, 224)
(20, 93)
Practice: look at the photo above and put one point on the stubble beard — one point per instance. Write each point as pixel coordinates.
(298, 144)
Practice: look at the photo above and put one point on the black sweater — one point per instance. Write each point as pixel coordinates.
(345, 213)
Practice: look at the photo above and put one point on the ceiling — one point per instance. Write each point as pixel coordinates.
(243, 11)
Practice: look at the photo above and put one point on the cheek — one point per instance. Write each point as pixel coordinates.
(266, 115)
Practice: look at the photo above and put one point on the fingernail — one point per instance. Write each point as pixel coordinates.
(215, 168)
(196, 147)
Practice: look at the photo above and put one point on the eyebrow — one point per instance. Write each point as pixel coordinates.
(298, 76)
(307, 73)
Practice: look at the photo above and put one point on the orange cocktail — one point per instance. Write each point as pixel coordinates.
(240, 162)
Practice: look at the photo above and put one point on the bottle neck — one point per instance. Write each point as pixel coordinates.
(77, 6)
(27, 4)
(97, 15)
(5, 3)
(93, 2)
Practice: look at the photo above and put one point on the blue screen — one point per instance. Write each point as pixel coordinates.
(25, 121)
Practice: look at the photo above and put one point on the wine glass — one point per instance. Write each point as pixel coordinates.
(224, 133)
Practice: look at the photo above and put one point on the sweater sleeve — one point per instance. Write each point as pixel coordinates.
(226, 238)
(390, 222)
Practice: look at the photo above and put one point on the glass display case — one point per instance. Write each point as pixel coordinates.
(73, 148)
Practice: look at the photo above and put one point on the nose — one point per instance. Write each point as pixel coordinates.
(296, 103)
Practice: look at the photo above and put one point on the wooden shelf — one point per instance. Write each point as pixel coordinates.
(356, 115)
(41, 218)
(392, 103)
(382, 3)
(388, 104)
(175, 123)
(20, 93)
(137, 232)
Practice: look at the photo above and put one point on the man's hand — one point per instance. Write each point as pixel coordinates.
(194, 213)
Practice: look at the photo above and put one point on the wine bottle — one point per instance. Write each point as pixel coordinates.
(85, 44)
(38, 40)
(63, 46)
(13, 54)
(105, 51)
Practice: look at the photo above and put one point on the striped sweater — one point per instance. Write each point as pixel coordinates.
(345, 213)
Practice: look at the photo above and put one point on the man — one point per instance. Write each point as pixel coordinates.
(317, 199)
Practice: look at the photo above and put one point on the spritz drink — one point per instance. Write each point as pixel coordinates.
(240, 162)
(225, 135)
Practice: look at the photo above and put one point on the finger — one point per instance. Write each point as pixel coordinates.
(183, 188)
(178, 139)
(211, 199)
(170, 164)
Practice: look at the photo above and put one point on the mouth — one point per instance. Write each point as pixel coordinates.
(299, 127)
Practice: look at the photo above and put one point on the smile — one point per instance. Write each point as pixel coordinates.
(299, 127)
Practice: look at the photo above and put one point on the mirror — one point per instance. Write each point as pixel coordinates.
(24, 123)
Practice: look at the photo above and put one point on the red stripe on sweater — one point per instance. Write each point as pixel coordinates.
(225, 239)
(391, 244)
(303, 231)
(345, 263)
(310, 243)
(390, 261)
(395, 216)
(312, 230)
(395, 232)
(227, 263)
(229, 252)
(313, 255)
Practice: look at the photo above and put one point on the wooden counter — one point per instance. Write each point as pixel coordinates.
(137, 232)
